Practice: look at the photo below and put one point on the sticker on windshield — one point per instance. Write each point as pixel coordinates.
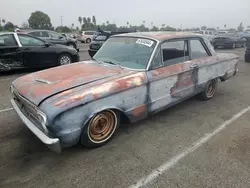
(145, 42)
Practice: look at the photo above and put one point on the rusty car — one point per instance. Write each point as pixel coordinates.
(133, 75)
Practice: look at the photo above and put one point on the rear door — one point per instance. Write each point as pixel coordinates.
(173, 77)
(10, 53)
(35, 53)
(201, 56)
(56, 38)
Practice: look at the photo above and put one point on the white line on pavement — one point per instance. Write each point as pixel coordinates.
(173, 161)
(6, 110)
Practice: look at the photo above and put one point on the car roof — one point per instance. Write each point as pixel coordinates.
(6, 33)
(160, 35)
(33, 30)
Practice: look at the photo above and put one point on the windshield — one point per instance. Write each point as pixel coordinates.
(128, 52)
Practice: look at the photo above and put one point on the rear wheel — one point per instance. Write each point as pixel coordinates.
(88, 40)
(100, 129)
(247, 58)
(210, 89)
(64, 59)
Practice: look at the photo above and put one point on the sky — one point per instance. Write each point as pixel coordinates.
(188, 13)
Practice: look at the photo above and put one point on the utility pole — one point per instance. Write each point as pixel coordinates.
(61, 21)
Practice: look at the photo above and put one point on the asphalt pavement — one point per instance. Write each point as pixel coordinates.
(195, 144)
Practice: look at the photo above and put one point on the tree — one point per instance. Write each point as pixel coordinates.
(80, 20)
(240, 27)
(94, 20)
(63, 29)
(84, 20)
(154, 28)
(8, 26)
(204, 27)
(39, 20)
(25, 25)
(3, 20)
(107, 22)
(72, 26)
(88, 20)
(225, 25)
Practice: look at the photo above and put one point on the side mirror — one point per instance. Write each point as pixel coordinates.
(61, 37)
(47, 44)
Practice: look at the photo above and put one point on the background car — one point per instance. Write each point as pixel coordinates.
(86, 36)
(19, 50)
(247, 53)
(100, 37)
(229, 41)
(53, 37)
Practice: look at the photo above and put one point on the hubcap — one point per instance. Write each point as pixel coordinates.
(102, 126)
(65, 60)
(211, 88)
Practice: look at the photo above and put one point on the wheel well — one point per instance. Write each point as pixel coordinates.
(123, 117)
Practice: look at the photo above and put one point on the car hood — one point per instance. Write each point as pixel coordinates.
(38, 86)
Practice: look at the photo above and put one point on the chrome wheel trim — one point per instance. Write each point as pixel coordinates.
(65, 60)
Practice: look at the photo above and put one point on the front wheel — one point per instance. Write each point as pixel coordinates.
(210, 90)
(100, 129)
(88, 40)
(64, 59)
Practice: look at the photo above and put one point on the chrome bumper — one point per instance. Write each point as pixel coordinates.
(52, 143)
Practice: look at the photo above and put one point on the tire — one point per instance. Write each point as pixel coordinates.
(64, 59)
(247, 58)
(95, 134)
(210, 90)
(88, 40)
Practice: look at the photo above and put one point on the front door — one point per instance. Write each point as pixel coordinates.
(10, 53)
(173, 76)
(35, 52)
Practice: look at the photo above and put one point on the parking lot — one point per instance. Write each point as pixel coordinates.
(193, 144)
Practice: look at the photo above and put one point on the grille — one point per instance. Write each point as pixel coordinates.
(30, 111)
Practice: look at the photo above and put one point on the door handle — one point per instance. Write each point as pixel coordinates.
(194, 66)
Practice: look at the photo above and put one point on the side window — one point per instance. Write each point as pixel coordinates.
(36, 34)
(157, 61)
(197, 49)
(7, 40)
(44, 34)
(206, 33)
(54, 35)
(30, 41)
(174, 52)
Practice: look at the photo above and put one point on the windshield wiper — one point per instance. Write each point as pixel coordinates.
(112, 63)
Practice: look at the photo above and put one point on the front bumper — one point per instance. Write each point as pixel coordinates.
(52, 143)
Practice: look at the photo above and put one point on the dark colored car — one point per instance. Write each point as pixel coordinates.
(18, 50)
(53, 37)
(98, 40)
(229, 41)
(247, 54)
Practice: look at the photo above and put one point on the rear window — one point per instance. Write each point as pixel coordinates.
(88, 33)
(101, 38)
(7, 40)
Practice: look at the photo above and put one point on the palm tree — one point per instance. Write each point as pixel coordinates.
(80, 20)
(89, 20)
(72, 25)
(107, 22)
(3, 20)
(94, 20)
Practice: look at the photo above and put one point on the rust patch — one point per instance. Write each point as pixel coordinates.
(139, 110)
